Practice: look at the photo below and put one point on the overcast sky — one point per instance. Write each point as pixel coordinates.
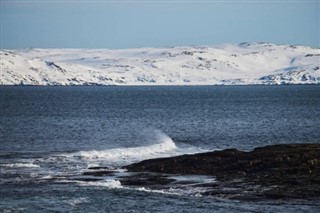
(130, 24)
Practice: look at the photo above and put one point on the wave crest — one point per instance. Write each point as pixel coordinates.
(133, 153)
(20, 165)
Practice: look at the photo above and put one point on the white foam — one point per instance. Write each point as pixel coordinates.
(47, 177)
(170, 191)
(108, 183)
(194, 178)
(77, 201)
(20, 165)
(190, 191)
(127, 154)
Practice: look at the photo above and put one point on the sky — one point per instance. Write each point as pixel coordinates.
(156, 23)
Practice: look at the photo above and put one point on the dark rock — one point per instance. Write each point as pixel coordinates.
(98, 173)
(146, 179)
(277, 171)
(311, 55)
(99, 167)
(87, 179)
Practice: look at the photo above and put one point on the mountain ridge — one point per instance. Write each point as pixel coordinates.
(240, 64)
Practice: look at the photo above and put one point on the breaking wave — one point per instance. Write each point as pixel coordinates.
(108, 183)
(20, 165)
(132, 153)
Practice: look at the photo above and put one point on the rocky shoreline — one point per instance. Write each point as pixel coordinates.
(290, 171)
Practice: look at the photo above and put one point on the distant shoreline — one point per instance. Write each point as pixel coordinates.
(229, 64)
(159, 85)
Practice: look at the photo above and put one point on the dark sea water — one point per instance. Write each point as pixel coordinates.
(51, 135)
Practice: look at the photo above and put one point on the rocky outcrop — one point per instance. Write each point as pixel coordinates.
(277, 171)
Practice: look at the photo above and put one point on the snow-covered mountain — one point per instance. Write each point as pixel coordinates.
(245, 63)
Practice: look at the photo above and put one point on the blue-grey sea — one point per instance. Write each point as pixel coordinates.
(51, 135)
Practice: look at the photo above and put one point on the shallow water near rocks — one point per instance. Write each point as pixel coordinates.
(50, 136)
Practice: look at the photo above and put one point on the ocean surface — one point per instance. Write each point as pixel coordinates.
(51, 135)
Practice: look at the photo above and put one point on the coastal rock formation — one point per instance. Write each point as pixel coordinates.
(277, 171)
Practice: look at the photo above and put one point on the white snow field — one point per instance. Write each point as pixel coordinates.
(241, 64)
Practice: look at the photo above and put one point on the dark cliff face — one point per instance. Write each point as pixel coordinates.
(291, 171)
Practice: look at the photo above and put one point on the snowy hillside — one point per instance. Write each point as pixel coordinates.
(245, 63)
